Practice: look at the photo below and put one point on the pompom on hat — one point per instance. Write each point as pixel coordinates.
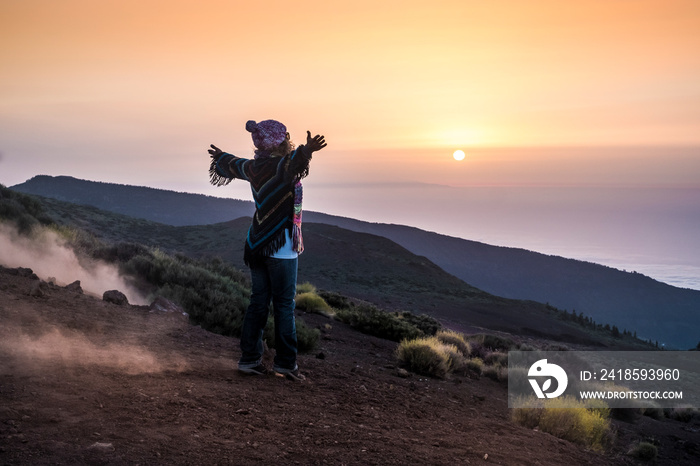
(267, 134)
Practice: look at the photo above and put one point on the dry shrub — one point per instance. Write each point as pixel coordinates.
(428, 356)
(450, 337)
(497, 373)
(455, 358)
(492, 342)
(305, 287)
(496, 359)
(311, 302)
(569, 419)
(475, 365)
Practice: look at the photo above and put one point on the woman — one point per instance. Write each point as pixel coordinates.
(274, 239)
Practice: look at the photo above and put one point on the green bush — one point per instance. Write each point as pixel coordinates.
(307, 337)
(372, 321)
(335, 300)
(584, 423)
(424, 323)
(210, 293)
(427, 356)
(644, 451)
(23, 210)
(493, 342)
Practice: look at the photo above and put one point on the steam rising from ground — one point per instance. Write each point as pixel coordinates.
(47, 255)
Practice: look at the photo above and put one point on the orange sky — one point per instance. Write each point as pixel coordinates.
(146, 83)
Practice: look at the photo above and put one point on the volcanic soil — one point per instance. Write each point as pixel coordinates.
(83, 381)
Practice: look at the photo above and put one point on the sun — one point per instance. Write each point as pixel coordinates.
(458, 154)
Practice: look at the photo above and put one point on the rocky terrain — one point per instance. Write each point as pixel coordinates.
(84, 381)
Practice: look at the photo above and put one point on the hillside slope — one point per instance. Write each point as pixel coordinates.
(159, 205)
(359, 265)
(655, 310)
(88, 382)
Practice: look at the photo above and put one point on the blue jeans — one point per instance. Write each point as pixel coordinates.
(274, 279)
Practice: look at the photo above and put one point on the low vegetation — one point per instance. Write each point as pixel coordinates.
(569, 419)
(452, 352)
(605, 330)
(428, 356)
(365, 317)
(644, 451)
(308, 300)
(450, 337)
(25, 212)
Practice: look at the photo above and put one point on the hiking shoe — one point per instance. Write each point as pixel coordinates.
(257, 370)
(294, 375)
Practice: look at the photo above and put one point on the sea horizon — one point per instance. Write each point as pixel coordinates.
(648, 230)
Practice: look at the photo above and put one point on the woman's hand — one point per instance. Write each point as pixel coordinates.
(314, 144)
(215, 151)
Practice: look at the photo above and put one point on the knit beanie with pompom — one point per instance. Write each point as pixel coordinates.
(267, 134)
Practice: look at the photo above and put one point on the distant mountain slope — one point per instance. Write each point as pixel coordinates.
(159, 205)
(631, 301)
(655, 310)
(355, 264)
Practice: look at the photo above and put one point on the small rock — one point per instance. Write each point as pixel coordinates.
(101, 446)
(115, 297)
(165, 305)
(403, 373)
(36, 291)
(75, 287)
(26, 272)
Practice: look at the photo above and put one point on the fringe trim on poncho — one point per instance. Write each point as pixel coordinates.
(214, 177)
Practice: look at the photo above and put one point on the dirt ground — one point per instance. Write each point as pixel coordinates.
(83, 381)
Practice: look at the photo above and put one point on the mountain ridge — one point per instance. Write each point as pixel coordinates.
(629, 300)
(360, 265)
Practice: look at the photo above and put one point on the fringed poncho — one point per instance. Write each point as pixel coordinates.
(277, 191)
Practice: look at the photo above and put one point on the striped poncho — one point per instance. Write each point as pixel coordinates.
(277, 191)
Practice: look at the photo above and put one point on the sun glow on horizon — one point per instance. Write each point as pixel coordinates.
(132, 79)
